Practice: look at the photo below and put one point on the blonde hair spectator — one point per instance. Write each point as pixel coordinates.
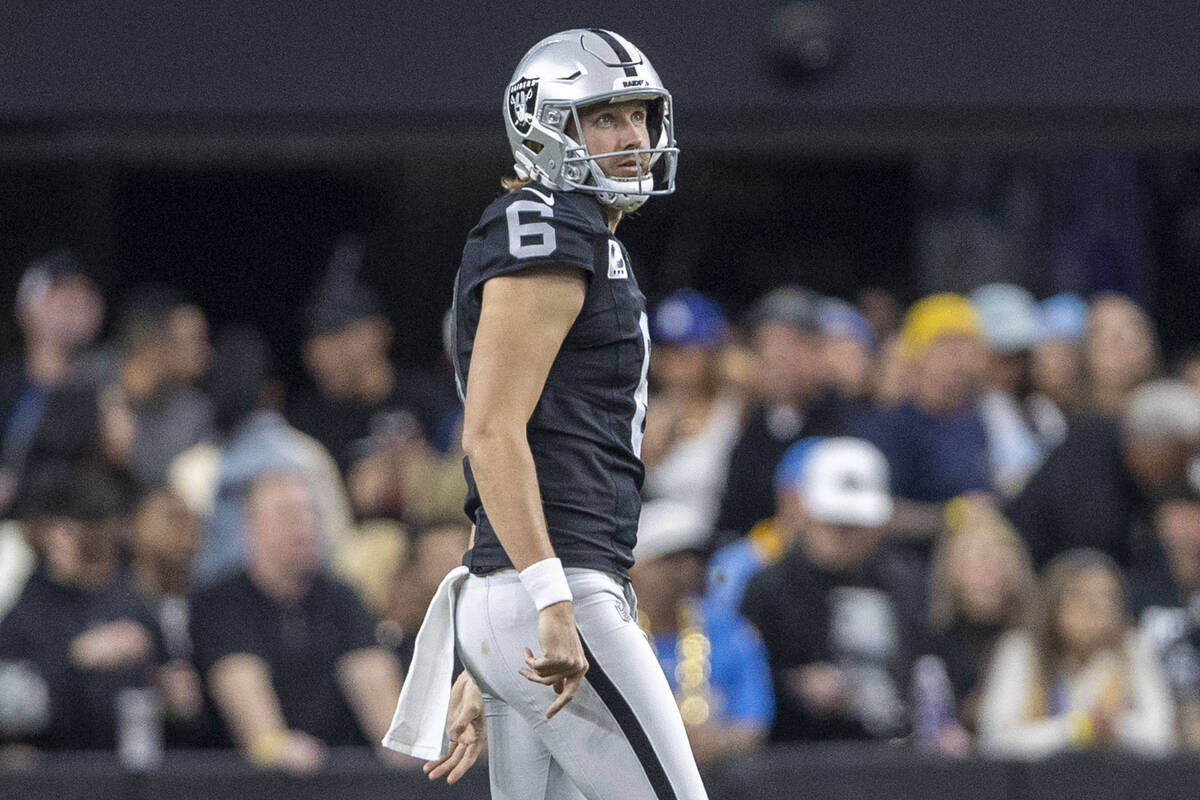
(1079, 676)
(981, 572)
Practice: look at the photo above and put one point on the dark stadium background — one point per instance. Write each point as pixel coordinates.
(222, 147)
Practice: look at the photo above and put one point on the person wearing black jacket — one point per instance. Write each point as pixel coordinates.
(795, 402)
(839, 612)
(79, 633)
(1099, 487)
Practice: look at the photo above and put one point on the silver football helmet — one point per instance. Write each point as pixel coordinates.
(571, 70)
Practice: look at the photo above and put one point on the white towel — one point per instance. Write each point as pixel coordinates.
(419, 725)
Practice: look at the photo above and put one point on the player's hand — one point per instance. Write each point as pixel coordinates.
(465, 724)
(562, 664)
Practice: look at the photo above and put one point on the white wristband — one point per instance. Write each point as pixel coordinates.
(546, 583)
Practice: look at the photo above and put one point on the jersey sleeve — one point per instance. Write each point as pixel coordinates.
(522, 231)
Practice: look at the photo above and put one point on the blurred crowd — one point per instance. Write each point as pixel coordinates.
(971, 524)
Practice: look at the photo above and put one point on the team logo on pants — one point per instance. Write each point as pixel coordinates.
(522, 100)
(623, 611)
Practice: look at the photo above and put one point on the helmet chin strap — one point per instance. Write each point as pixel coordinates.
(623, 201)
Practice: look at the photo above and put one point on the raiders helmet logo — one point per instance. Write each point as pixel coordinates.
(522, 101)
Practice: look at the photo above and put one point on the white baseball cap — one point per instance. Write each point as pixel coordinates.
(845, 481)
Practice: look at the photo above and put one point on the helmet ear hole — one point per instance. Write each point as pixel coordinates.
(532, 146)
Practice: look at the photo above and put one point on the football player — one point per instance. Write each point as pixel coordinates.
(551, 349)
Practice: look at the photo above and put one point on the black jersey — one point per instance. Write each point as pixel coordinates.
(586, 430)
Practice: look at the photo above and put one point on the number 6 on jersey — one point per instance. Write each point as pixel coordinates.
(520, 232)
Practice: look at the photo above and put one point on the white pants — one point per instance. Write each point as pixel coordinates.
(620, 737)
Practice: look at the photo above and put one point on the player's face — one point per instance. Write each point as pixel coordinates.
(613, 128)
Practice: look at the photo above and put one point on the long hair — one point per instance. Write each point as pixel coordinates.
(945, 605)
(1050, 648)
(510, 183)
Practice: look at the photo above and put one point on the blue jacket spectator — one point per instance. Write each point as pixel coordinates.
(715, 664)
(731, 568)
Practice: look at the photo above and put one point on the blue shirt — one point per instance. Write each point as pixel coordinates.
(932, 458)
(740, 677)
(729, 571)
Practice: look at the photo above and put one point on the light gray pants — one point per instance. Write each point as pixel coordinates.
(620, 737)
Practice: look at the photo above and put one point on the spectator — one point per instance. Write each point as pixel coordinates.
(368, 562)
(48, 409)
(1166, 580)
(433, 550)
(1183, 672)
(731, 567)
(1080, 676)
(1120, 352)
(252, 438)
(286, 651)
(839, 614)
(893, 377)
(793, 402)
(1098, 488)
(980, 587)
(738, 367)
(717, 667)
(384, 426)
(151, 411)
(849, 350)
(1056, 362)
(692, 422)
(188, 332)
(1022, 425)
(1165, 592)
(17, 563)
(79, 632)
(162, 550)
(882, 309)
(935, 443)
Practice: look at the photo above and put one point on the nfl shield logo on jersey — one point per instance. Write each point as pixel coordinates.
(522, 100)
(616, 261)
